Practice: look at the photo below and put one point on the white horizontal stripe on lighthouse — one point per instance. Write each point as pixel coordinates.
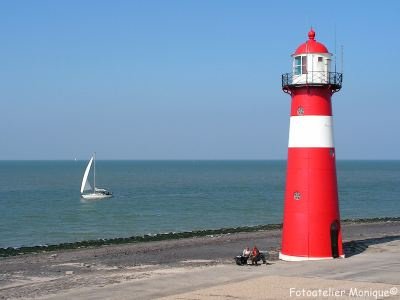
(311, 131)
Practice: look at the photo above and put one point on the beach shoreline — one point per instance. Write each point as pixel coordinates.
(13, 251)
(55, 273)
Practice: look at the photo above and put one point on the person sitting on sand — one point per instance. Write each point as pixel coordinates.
(245, 255)
(246, 252)
(255, 255)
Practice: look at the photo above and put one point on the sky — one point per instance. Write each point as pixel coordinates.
(188, 79)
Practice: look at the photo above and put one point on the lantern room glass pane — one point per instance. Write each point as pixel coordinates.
(304, 65)
(297, 65)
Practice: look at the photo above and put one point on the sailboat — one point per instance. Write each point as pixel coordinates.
(87, 192)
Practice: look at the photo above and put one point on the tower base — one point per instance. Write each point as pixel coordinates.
(302, 258)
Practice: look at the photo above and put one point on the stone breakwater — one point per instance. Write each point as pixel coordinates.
(10, 251)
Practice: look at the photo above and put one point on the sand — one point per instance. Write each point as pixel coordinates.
(203, 268)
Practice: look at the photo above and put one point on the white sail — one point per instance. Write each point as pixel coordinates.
(87, 187)
(85, 184)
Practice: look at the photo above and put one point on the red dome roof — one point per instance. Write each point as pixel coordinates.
(311, 46)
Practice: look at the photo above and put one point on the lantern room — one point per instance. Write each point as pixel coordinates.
(311, 65)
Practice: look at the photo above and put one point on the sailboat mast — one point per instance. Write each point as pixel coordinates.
(94, 172)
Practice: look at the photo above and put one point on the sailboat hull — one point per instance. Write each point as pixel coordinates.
(95, 196)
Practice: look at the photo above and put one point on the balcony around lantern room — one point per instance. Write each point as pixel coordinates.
(312, 78)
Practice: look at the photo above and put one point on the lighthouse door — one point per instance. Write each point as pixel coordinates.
(334, 238)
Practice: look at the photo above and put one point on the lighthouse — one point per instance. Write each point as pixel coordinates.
(311, 220)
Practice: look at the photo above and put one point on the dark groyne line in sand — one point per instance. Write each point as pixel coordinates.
(11, 251)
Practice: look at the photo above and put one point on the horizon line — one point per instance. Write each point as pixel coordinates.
(192, 159)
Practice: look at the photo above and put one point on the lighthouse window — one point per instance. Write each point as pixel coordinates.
(297, 65)
(300, 65)
(319, 59)
(304, 65)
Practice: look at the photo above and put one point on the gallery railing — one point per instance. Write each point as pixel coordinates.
(315, 78)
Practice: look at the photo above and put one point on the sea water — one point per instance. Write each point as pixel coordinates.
(40, 201)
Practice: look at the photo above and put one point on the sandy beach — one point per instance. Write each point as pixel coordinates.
(203, 268)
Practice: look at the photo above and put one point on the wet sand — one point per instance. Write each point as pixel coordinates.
(196, 268)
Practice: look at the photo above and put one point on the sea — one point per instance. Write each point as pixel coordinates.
(40, 201)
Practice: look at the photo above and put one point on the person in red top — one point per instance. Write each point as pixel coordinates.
(255, 255)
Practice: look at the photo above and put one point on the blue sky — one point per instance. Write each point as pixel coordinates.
(187, 79)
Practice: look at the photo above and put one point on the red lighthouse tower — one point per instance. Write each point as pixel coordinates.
(311, 222)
